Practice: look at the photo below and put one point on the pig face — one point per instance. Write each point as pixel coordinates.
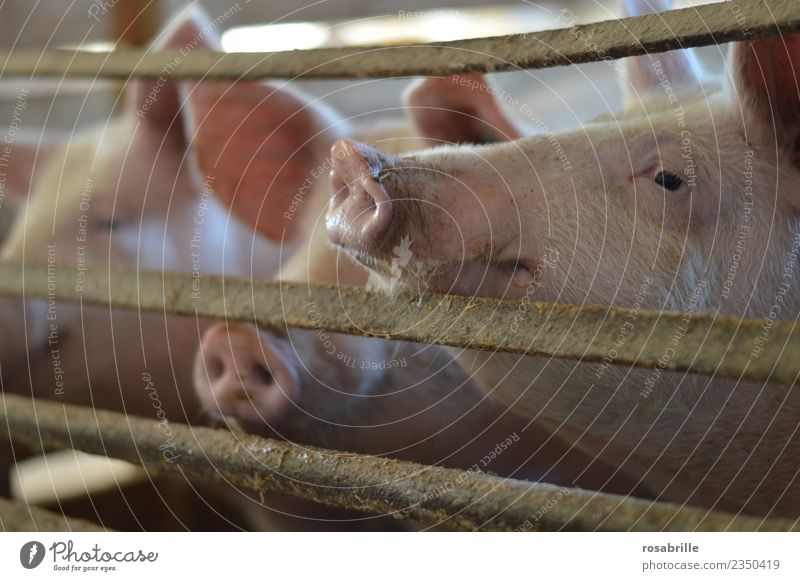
(103, 199)
(686, 200)
(582, 219)
(659, 192)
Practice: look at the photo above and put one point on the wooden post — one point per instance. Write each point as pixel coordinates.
(6, 461)
(135, 22)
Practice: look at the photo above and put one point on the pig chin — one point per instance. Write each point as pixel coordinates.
(450, 277)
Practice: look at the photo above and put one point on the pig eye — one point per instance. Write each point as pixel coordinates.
(668, 180)
(111, 224)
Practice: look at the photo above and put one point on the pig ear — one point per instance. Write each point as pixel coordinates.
(260, 148)
(457, 109)
(157, 102)
(645, 73)
(765, 75)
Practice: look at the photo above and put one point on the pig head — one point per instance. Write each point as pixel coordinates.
(131, 193)
(685, 200)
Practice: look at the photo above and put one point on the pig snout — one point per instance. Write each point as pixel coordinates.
(240, 372)
(448, 207)
(360, 209)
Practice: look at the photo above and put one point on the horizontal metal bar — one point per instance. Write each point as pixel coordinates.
(720, 346)
(650, 33)
(18, 517)
(460, 499)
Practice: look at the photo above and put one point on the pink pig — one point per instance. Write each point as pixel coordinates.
(352, 393)
(686, 200)
(129, 193)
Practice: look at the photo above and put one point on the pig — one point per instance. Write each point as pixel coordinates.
(169, 137)
(129, 194)
(685, 200)
(366, 395)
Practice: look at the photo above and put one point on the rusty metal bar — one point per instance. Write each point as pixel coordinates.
(458, 499)
(18, 517)
(675, 29)
(719, 346)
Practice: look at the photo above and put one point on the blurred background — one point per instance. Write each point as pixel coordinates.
(564, 95)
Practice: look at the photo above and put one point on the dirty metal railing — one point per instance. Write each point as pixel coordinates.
(712, 345)
(684, 28)
(437, 496)
(720, 346)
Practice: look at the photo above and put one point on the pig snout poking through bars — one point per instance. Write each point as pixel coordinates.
(686, 200)
(129, 193)
(364, 394)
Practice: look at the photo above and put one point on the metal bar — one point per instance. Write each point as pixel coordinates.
(719, 346)
(459, 499)
(612, 39)
(18, 517)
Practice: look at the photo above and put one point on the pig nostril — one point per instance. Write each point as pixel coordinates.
(360, 208)
(263, 375)
(215, 366)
